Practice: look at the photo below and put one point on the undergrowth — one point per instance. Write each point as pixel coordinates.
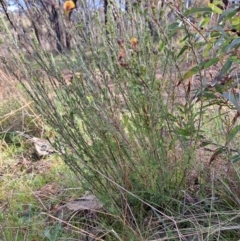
(148, 123)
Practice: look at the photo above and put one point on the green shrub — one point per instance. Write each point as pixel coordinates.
(128, 120)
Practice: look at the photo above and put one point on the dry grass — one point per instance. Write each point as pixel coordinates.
(17, 111)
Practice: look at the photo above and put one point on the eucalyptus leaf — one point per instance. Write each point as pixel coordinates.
(183, 49)
(233, 133)
(226, 67)
(204, 21)
(215, 8)
(197, 10)
(221, 30)
(208, 63)
(191, 72)
(234, 43)
(203, 65)
(229, 13)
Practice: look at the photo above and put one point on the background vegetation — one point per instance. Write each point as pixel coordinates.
(141, 102)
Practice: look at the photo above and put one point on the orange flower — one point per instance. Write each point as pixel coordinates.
(68, 6)
(134, 43)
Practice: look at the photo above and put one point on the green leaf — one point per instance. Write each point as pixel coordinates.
(235, 158)
(184, 38)
(191, 72)
(233, 133)
(173, 25)
(197, 10)
(209, 95)
(236, 60)
(161, 46)
(207, 49)
(219, 43)
(215, 8)
(184, 132)
(203, 65)
(228, 14)
(184, 48)
(226, 67)
(204, 22)
(220, 29)
(208, 63)
(233, 44)
(235, 21)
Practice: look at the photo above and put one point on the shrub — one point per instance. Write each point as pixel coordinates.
(128, 120)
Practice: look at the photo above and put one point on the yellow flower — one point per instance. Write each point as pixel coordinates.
(68, 6)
